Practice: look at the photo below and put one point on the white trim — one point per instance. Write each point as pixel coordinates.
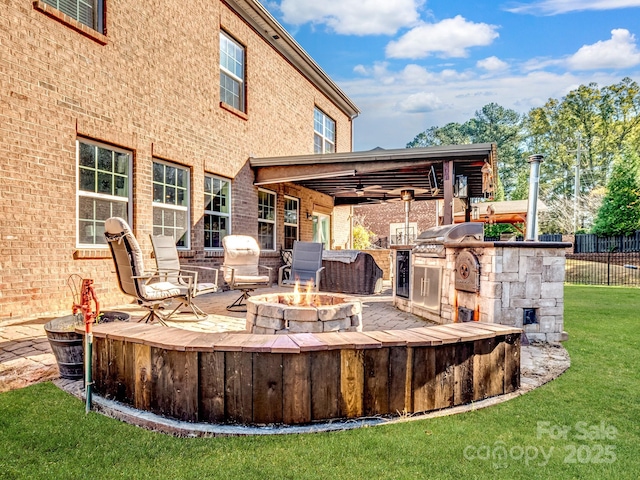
(167, 206)
(284, 218)
(274, 221)
(85, 194)
(212, 212)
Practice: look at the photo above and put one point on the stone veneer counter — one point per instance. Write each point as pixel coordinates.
(515, 278)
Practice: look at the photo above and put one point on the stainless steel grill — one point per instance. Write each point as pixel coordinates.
(430, 243)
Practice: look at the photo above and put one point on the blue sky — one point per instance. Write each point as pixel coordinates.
(413, 64)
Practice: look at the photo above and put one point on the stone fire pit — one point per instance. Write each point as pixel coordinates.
(324, 312)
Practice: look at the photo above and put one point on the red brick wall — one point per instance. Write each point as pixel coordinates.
(378, 217)
(153, 89)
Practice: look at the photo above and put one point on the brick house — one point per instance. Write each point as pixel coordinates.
(150, 111)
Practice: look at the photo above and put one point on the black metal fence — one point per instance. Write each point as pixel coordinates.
(600, 260)
(610, 268)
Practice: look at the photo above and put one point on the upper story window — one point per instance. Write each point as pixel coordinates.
(267, 220)
(291, 209)
(217, 210)
(88, 12)
(324, 132)
(231, 72)
(171, 202)
(104, 189)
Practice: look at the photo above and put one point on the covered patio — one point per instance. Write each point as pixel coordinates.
(378, 176)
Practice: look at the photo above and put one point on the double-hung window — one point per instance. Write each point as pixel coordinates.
(266, 220)
(217, 210)
(291, 209)
(104, 189)
(88, 12)
(324, 132)
(231, 72)
(171, 202)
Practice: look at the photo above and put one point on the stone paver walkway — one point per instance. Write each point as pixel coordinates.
(26, 357)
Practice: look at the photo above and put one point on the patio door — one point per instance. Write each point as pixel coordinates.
(322, 229)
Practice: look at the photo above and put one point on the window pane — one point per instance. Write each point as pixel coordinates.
(325, 132)
(231, 72)
(104, 159)
(87, 155)
(119, 209)
(170, 175)
(170, 195)
(171, 190)
(121, 163)
(121, 186)
(158, 193)
(87, 180)
(158, 172)
(105, 183)
(182, 199)
(103, 190)
(103, 209)
(83, 11)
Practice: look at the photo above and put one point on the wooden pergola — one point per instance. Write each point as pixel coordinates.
(376, 176)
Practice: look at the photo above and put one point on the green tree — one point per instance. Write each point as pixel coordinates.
(620, 210)
(362, 236)
(605, 119)
(491, 124)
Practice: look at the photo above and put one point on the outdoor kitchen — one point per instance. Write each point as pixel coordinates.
(451, 275)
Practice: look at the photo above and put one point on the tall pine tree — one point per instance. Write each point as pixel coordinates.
(620, 210)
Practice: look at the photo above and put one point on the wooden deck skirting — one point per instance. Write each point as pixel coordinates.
(302, 378)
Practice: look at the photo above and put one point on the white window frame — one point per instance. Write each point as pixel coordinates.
(226, 74)
(324, 132)
(170, 230)
(289, 224)
(271, 221)
(214, 213)
(97, 227)
(73, 9)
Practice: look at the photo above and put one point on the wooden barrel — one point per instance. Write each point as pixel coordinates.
(67, 345)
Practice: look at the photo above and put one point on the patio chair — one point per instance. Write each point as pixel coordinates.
(170, 270)
(306, 265)
(241, 268)
(146, 287)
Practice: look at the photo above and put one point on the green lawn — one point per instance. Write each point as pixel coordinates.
(44, 432)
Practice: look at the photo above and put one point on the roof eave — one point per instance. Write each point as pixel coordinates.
(270, 29)
(450, 151)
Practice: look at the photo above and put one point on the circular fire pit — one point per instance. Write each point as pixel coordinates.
(303, 313)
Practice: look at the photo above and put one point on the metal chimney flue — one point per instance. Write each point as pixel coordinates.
(532, 207)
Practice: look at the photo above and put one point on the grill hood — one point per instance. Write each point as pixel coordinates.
(452, 233)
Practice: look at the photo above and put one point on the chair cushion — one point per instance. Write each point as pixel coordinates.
(160, 290)
(251, 279)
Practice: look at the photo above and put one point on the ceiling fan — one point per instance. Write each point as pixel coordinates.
(360, 190)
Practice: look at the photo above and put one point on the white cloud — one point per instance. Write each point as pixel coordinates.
(420, 99)
(448, 38)
(420, 102)
(492, 64)
(353, 17)
(619, 52)
(556, 7)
